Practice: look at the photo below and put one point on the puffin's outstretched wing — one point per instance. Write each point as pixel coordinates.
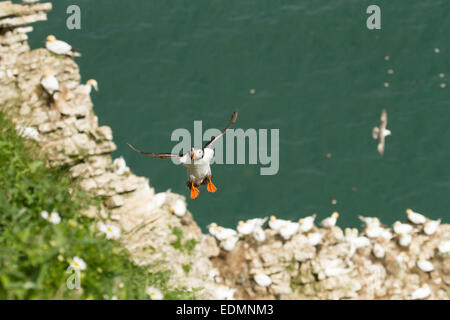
(233, 120)
(156, 155)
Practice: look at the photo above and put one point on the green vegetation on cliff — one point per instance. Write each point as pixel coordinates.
(36, 252)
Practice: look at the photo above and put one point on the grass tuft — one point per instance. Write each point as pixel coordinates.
(35, 254)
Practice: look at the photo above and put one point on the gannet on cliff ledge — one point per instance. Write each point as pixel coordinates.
(49, 83)
(87, 88)
(197, 161)
(330, 221)
(60, 47)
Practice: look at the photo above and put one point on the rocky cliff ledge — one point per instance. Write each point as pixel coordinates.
(288, 260)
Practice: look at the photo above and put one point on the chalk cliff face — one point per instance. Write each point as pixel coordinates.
(158, 230)
(70, 136)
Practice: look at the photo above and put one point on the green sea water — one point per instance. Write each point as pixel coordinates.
(319, 77)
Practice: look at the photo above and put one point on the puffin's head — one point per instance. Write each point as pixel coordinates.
(196, 154)
(51, 38)
(93, 83)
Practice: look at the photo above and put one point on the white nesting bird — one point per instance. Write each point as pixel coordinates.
(405, 239)
(307, 223)
(229, 242)
(415, 217)
(60, 47)
(87, 88)
(387, 234)
(224, 233)
(275, 223)
(424, 265)
(370, 221)
(315, 238)
(374, 231)
(221, 233)
(261, 279)
(212, 229)
(258, 234)
(378, 251)
(444, 247)
(402, 228)
(224, 293)
(246, 228)
(350, 234)
(330, 221)
(421, 293)
(401, 258)
(431, 226)
(160, 198)
(120, 166)
(355, 241)
(361, 242)
(50, 83)
(178, 208)
(288, 229)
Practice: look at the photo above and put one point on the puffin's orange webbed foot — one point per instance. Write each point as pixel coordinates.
(194, 191)
(210, 187)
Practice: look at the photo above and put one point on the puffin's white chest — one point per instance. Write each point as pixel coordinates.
(198, 170)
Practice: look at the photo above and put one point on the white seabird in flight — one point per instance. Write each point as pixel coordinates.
(60, 47)
(197, 161)
(381, 132)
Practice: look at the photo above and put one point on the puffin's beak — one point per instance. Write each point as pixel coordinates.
(192, 157)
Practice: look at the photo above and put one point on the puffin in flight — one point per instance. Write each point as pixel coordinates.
(381, 132)
(197, 161)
